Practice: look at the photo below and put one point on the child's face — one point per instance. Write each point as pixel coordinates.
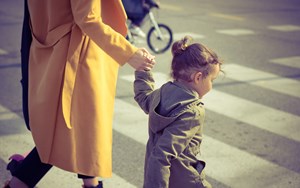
(204, 85)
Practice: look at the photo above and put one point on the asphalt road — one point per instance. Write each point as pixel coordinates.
(252, 133)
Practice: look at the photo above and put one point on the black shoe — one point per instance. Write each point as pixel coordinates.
(100, 185)
(15, 161)
(12, 166)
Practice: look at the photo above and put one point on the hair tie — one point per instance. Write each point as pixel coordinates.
(184, 46)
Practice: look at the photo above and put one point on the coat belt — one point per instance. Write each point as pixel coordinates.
(72, 61)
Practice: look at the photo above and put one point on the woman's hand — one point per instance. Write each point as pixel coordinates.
(142, 60)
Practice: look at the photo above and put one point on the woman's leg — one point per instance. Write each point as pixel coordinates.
(30, 171)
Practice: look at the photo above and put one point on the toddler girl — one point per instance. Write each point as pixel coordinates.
(176, 117)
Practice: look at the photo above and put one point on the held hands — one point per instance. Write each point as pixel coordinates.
(142, 60)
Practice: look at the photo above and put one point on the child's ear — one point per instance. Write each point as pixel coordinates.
(198, 77)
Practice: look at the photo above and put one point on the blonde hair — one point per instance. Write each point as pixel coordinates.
(189, 57)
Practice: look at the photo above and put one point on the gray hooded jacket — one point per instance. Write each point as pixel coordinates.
(176, 117)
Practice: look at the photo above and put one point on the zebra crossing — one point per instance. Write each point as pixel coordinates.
(246, 169)
(228, 164)
(232, 166)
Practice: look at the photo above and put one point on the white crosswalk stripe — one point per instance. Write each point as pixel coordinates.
(263, 79)
(3, 52)
(293, 62)
(236, 32)
(285, 28)
(231, 166)
(258, 115)
(179, 36)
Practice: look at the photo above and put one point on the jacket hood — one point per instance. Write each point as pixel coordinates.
(171, 101)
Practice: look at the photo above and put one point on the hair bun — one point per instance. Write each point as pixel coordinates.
(180, 46)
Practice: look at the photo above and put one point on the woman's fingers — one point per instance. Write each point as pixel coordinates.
(142, 60)
(148, 56)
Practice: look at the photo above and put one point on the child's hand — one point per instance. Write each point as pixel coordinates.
(142, 60)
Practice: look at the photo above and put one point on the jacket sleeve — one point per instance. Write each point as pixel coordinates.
(143, 89)
(173, 141)
(87, 15)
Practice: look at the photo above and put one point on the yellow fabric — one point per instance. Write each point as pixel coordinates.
(74, 58)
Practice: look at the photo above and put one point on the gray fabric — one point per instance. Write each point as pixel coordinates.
(176, 117)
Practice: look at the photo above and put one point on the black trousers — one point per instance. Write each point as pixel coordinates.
(32, 170)
(25, 48)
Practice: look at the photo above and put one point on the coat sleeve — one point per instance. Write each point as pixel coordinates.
(173, 141)
(87, 15)
(143, 89)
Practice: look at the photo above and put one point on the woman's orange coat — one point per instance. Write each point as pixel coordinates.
(76, 51)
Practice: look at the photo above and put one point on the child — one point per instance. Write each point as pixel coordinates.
(176, 117)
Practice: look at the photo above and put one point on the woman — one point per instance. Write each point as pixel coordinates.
(76, 50)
